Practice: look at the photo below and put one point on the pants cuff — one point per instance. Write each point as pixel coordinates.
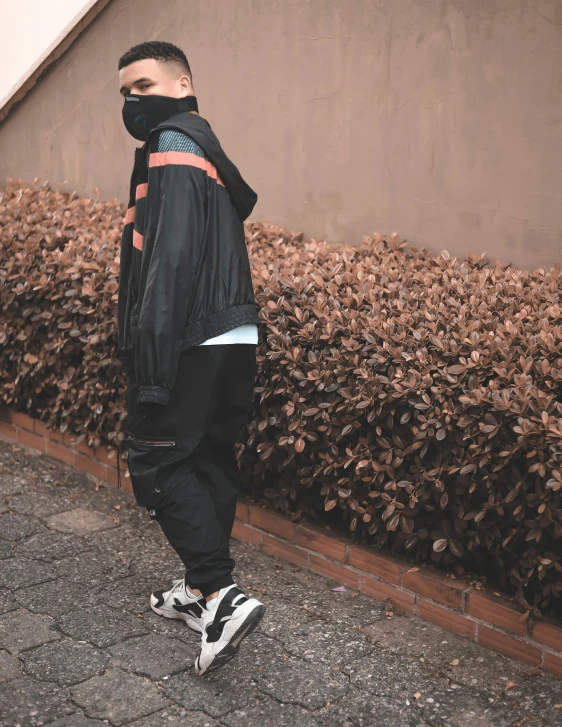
(208, 588)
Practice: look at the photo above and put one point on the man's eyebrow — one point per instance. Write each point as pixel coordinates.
(124, 90)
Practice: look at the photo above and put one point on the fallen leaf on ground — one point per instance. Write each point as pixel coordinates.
(455, 662)
(510, 685)
(413, 570)
(417, 695)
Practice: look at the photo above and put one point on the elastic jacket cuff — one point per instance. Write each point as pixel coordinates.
(153, 395)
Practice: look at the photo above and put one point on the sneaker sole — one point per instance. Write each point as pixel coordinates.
(232, 648)
(192, 624)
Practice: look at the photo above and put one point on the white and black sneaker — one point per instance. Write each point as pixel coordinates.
(232, 617)
(177, 603)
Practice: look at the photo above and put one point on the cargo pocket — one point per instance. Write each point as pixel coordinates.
(147, 466)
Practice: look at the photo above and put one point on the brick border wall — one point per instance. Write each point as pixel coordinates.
(479, 615)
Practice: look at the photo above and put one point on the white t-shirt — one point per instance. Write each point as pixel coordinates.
(242, 334)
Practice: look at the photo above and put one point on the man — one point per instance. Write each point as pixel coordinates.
(187, 340)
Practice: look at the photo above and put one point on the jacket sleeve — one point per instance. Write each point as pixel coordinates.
(171, 252)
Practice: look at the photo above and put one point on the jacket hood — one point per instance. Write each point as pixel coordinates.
(242, 195)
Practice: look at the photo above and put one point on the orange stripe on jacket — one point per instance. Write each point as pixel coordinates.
(130, 216)
(138, 240)
(162, 158)
(141, 191)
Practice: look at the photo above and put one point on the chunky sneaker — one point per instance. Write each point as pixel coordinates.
(232, 617)
(177, 603)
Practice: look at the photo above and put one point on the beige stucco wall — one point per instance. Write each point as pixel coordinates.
(440, 119)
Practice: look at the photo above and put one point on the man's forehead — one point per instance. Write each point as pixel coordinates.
(145, 67)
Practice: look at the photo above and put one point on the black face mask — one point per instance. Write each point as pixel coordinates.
(141, 114)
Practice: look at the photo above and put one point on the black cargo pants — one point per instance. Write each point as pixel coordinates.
(181, 457)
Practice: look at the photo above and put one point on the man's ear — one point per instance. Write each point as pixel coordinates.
(186, 86)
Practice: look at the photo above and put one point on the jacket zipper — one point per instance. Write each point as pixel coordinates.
(151, 442)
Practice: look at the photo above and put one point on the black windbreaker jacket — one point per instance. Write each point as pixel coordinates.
(185, 274)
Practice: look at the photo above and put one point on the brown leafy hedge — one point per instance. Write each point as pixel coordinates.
(416, 398)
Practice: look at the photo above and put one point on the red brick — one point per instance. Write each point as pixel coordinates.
(27, 439)
(433, 585)
(553, 664)
(519, 650)
(22, 420)
(8, 431)
(243, 532)
(334, 571)
(289, 552)
(97, 469)
(102, 454)
(383, 592)
(497, 611)
(320, 541)
(82, 447)
(111, 475)
(548, 633)
(242, 511)
(377, 564)
(53, 434)
(445, 618)
(60, 452)
(272, 522)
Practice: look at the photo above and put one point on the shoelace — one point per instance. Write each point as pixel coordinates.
(177, 586)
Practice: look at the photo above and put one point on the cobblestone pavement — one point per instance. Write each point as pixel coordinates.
(80, 647)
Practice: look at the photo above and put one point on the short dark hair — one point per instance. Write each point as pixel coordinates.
(157, 49)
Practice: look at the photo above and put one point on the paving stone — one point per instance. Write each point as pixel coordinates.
(7, 601)
(50, 546)
(20, 630)
(325, 642)
(76, 720)
(217, 693)
(9, 667)
(101, 625)
(127, 542)
(14, 526)
(20, 572)
(258, 652)
(394, 676)
(132, 594)
(269, 713)
(38, 503)
(91, 569)
(309, 684)
(173, 628)
(118, 697)
(80, 522)
(175, 716)
(345, 607)
(267, 577)
(64, 662)
(464, 707)
(152, 656)
(6, 549)
(360, 709)
(28, 703)
(420, 640)
(11, 485)
(162, 566)
(537, 694)
(56, 598)
(281, 618)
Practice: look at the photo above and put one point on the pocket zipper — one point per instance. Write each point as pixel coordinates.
(150, 442)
